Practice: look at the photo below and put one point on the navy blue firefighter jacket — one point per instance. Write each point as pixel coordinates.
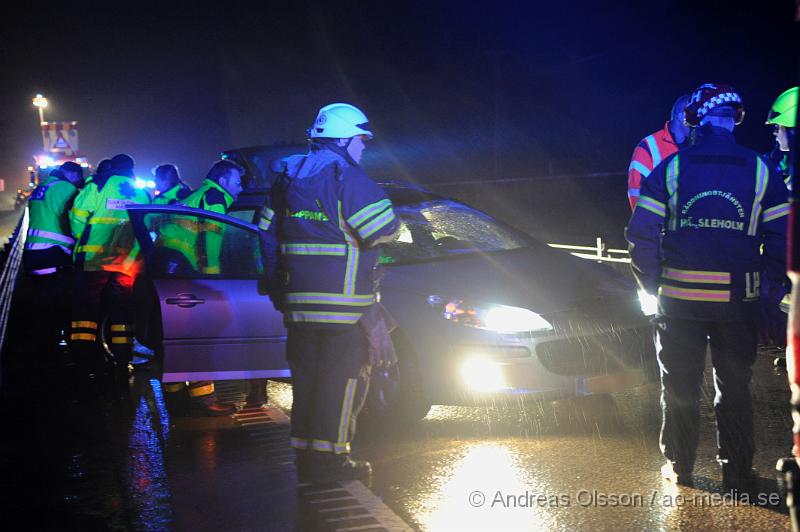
(333, 215)
(710, 220)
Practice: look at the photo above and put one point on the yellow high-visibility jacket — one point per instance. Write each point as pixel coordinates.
(100, 224)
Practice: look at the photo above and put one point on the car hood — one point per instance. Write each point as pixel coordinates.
(542, 279)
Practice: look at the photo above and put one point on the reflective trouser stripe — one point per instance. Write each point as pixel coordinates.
(299, 443)
(120, 328)
(201, 388)
(121, 340)
(329, 447)
(88, 337)
(173, 387)
(347, 412)
(84, 325)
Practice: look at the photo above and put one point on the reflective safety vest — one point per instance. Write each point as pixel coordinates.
(177, 193)
(650, 151)
(724, 224)
(100, 223)
(333, 216)
(49, 224)
(199, 240)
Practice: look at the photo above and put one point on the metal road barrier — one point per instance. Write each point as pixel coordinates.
(10, 262)
(597, 252)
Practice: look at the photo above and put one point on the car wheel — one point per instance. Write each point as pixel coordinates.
(396, 395)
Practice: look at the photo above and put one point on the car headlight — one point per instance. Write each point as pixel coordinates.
(499, 318)
(482, 374)
(648, 303)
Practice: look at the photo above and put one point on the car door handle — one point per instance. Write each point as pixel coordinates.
(185, 300)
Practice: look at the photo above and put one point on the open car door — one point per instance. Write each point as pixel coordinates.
(205, 268)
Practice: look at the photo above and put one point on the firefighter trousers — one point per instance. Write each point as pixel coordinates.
(330, 377)
(681, 346)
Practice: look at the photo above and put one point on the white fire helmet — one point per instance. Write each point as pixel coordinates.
(340, 121)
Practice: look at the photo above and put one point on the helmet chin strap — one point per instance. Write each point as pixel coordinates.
(341, 149)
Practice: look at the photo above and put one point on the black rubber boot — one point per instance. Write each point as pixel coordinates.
(329, 467)
(739, 480)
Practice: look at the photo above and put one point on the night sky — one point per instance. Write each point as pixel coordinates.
(454, 90)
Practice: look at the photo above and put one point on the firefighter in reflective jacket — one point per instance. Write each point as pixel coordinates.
(188, 246)
(719, 207)
(656, 147)
(47, 257)
(169, 186)
(106, 263)
(331, 218)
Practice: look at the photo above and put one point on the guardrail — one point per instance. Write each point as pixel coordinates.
(598, 252)
(10, 262)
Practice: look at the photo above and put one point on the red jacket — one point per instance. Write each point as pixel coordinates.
(650, 151)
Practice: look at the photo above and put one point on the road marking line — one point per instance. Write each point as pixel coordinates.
(269, 428)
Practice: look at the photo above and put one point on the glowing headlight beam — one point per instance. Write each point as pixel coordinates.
(482, 375)
(514, 319)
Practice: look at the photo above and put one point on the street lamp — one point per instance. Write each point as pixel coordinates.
(40, 102)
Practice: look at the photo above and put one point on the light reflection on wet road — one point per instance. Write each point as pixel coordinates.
(556, 466)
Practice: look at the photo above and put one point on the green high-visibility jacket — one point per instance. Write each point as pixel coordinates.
(176, 194)
(48, 205)
(101, 225)
(199, 240)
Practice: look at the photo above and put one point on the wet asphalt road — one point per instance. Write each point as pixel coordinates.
(593, 465)
(128, 463)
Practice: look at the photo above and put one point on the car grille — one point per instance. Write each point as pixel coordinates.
(597, 354)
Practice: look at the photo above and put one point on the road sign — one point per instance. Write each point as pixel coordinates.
(60, 137)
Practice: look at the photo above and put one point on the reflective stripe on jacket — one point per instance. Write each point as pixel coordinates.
(650, 151)
(100, 223)
(334, 215)
(724, 220)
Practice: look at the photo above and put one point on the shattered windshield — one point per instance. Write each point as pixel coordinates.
(442, 228)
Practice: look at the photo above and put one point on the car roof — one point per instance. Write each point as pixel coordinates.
(399, 192)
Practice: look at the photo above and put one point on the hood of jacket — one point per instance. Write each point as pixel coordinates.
(314, 162)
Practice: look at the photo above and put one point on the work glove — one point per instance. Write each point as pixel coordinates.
(377, 325)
